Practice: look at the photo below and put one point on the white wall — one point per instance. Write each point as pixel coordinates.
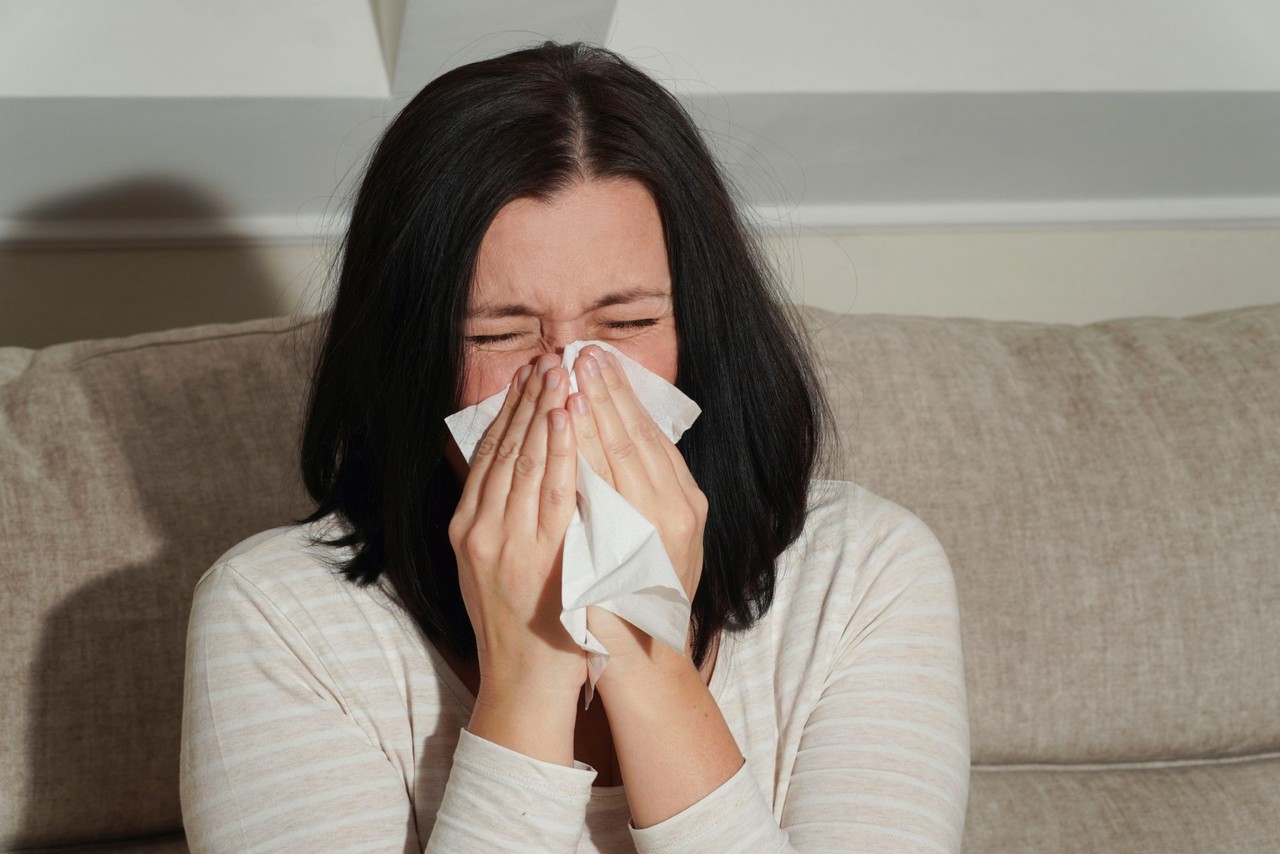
(249, 118)
(1054, 276)
(949, 46)
(159, 48)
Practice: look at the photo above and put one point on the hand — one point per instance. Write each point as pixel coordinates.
(508, 535)
(629, 451)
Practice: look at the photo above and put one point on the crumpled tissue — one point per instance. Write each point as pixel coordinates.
(613, 556)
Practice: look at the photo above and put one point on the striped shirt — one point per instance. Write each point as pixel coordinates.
(317, 717)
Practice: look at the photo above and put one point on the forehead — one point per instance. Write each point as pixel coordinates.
(564, 256)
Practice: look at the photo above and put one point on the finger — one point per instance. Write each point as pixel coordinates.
(620, 449)
(559, 493)
(631, 401)
(675, 465)
(486, 448)
(522, 511)
(683, 476)
(643, 430)
(497, 481)
(586, 436)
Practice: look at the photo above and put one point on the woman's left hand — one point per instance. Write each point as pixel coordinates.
(630, 452)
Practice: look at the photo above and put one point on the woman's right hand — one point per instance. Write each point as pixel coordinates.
(508, 535)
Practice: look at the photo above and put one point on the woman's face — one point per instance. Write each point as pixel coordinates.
(590, 265)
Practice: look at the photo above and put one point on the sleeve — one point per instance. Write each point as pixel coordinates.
(883, 762)
(271, 759)
(499, 799)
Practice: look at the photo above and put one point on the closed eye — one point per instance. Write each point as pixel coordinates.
(492, 339)
(511, 336)
(631, 324)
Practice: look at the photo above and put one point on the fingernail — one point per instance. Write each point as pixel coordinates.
(579, 404)
(546, 363)
(593, 367)
(523, 376)
(558, 419)
(553, 379)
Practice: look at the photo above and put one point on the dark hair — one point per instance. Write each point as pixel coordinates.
(532, 123)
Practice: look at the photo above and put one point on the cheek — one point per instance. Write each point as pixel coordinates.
(660, 357)
(488, 375)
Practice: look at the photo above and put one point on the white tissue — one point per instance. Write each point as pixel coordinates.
(613, 556)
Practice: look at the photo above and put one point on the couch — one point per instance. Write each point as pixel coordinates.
(1109, 496)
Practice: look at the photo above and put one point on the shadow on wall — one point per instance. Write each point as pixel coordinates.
(116, 285)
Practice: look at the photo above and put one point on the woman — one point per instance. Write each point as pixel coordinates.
(390, 672)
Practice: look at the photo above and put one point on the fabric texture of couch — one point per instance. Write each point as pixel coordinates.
(1109, 496)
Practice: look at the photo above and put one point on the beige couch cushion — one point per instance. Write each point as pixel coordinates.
(1226, 807)
(1109, 496)
(126, 467)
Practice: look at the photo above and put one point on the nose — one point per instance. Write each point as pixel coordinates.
(556, 344)
(557, 349)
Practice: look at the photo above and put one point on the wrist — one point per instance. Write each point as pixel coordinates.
(631, 650)
(560, 673)
(641, 668)
(496, 693)
(532, 720)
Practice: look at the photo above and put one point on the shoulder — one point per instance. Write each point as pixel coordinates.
(290, 565)
(855, 540)
(851, 519)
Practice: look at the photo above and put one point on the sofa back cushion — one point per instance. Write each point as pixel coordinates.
(127, 467)
(1109, 497)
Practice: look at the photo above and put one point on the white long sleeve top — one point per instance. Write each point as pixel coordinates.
(317, 717)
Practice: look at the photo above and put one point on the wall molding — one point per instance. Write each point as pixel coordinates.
(1257, 212)
(1189, 213)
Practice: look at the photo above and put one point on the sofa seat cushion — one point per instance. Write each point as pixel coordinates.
(1052, 809)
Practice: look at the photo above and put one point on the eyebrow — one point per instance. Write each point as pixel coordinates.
(516, 309)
